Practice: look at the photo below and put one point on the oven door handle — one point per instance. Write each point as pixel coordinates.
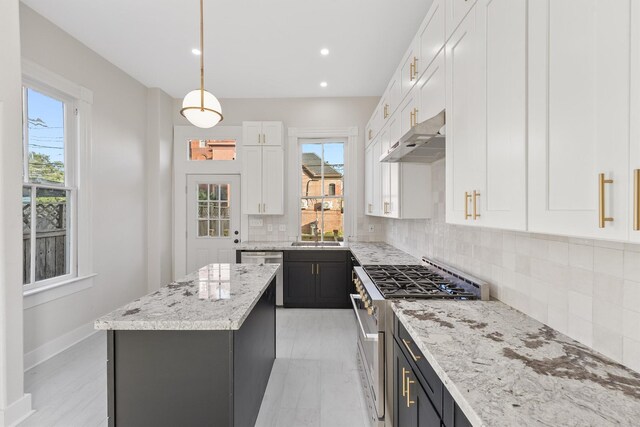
(367, 337)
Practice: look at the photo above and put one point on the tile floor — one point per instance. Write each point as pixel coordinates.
(314, 381)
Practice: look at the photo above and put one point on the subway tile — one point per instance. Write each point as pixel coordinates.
(608, 288)
(632, 265)
(523, 265)
(558, 252)
(607, 315)
(631, 324)
(631, 353)
(608, 342)
(557, 317)
(580, 330)
(580, 241)
(580, 305)
(539, 248)
(523, 244)
(508, 241)
(632, 247)
(631, 295)
(581, 256)
(608, 244)
(581, 281)
(538, 310)
(608, 261)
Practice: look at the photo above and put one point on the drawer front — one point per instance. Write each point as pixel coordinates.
(331, 255)
(428, 378)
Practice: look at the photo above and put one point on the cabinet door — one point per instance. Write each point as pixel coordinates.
(384, 170)
(332, 284)
(393, 95)
(431, 35)
(464, 124)
(503, 188)
(635, 124)
(408, 112)
(272, 180)
(427, 415)
(394, 170)
(368, 180)
(456, 11)
(579, 117)
(406, 412)
(299, 284)
(272, 133)
(377, 183)
(251, 180)
(408, 69)
(251, 133)
(431, 90)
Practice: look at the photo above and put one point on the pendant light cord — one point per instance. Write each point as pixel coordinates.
(201, 55)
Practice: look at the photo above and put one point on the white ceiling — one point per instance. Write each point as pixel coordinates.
(253, 48)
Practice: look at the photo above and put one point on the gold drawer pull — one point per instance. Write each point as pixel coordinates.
(636, 200)
(409, 401)
(476, 215)
(602, 218)
(467, 196)
(404, 382)
(406, 344)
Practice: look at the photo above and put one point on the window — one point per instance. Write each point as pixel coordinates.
(322, 197)
(214, 216)
(212, 149)
(49, 189)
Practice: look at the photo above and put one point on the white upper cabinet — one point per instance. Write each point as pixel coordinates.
(384, 170)
(262, 168)
(431, 89)
(579, 118)
(431, 35)
(408, 112)
(409, 68)
(393, 209)
(464, 123)
(502, 54)
(368, 180)
(455, 13)
(262, 133)
(376, 178)
(634, 197)
(390, 100)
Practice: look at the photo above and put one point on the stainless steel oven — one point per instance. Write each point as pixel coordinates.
(369, 308)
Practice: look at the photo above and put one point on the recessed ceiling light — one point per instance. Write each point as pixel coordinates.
(323, 84)
(196, 51)
(324, 51)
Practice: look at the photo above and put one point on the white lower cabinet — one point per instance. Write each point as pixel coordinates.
(263, 180)
(579, 118)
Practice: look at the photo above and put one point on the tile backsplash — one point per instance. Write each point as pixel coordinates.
(587, 289)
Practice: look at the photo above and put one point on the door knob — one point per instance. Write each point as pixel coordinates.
(235, 232)
(236, 241)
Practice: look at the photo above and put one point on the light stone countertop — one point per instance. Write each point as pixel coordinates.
(216, 297)
(504, 368)
(367, 253)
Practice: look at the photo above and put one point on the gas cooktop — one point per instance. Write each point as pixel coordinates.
(418, 281)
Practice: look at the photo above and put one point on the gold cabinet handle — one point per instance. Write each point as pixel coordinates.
(312, 269)
(602, 218)
(409, 401)
(476, 215)
(264, 207)
(415, 116)
(369, 133)
(404, 382)
(467, 196)
(406, 344)
(636, 200)
(317, 269)
(411, 67)
(415, 66)
(259, 208)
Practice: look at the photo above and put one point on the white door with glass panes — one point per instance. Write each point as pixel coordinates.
(213, 219)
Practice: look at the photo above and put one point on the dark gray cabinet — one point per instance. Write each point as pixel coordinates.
(316, 279)
(420, 398)
(194, 377)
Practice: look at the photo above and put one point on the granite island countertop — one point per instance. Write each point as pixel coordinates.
(216, 297)
(504, 368)
(367, 253)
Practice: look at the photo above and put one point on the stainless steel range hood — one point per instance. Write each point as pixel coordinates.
(423, 143)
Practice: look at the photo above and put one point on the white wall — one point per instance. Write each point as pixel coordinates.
(13, 403)
(304, 113)
(587, 289)
(119, 149)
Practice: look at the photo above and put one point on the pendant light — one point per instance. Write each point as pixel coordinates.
(200, 107)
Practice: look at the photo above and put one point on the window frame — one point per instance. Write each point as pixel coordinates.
(77, 121)
(320, 141)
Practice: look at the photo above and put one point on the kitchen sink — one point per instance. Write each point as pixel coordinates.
(314, 244)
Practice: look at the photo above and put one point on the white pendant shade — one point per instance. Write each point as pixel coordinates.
(203, 118)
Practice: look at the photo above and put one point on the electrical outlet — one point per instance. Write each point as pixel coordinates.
(270, 227)
(282, 227)
(371, 228)
(255, 223)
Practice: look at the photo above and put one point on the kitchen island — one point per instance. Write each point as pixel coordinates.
(198, 351)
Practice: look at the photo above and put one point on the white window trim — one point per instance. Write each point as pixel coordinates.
(36, 76)
(350, 190)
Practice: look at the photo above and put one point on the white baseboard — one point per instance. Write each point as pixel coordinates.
(17, 412)
(53, 347)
